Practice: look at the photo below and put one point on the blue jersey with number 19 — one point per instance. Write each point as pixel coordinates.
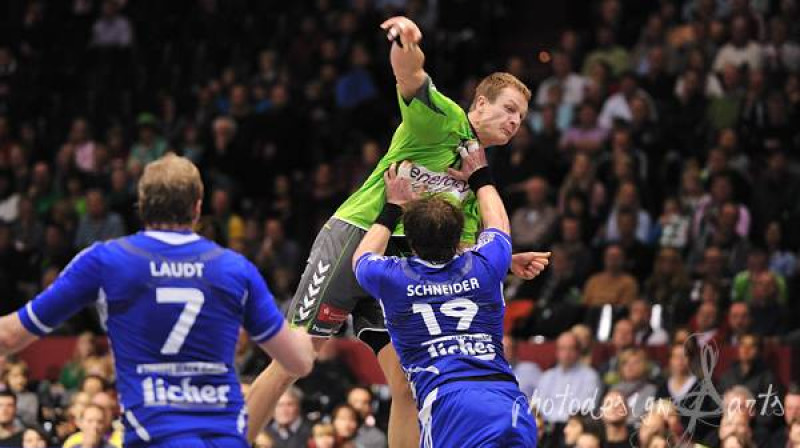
(173, 304)
(445, 321)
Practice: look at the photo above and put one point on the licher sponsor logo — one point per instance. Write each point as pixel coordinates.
(446, 289)
(312, 292)
(331, 314)
(427, 181)
(176, 269)
(479, 345)
(158, 392)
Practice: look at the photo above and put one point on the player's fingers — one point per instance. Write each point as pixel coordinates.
(541, 254)
(388, 23)
(455, 173)
(464, 152)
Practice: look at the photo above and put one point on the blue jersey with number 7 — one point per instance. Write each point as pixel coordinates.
(445, 321)
(173, 304)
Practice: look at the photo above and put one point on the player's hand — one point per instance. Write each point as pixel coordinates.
(398, 189)
(473, 158)
(527, 265)
(402, 27)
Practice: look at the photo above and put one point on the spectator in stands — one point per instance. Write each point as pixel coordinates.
(781, 261)
(617, 107)
(739, 322)
(680, 380)
(94, 429)
(740, 50)
(572, 83)
(369, 436)
(791, 417)
(638, 255)
(323, 435)
(72, 372)
(249, 360)
(112, 29)
(9, 197)
(329, 380)
(627, 198)
(98, 224)
(585, 342)
(586, 136)
(757, 264)
(752, 371)
(706, 324)
(572, 243)
(34, 438)
(17, 377)
(10, 428)
(615, 413)
(634, 382)
(150, 145)
(607, 52)
(611, 286)
(289, 429)
(669, 284)
(672, 227)
(766, 307)
(533, 223)
(652, 425)
(640, 315)
(80, 148)
(345, 423)
(569, 385)
(621, 339)
(528, 373)
(230, 223)
(736, 425)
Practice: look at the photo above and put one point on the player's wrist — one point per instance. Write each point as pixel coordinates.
(390, 215)
(480, 178)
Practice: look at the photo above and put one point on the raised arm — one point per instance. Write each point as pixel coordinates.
(475, 170)
(406, 57)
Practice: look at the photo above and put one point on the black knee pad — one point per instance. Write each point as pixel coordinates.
(375, 339)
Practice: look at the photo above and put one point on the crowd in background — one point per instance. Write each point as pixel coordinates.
(660, 162)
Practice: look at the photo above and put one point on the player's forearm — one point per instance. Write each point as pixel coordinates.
(493, 212)
(408, 69)
(375, 241)
(13, 335)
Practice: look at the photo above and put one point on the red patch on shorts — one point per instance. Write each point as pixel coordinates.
(331, 314)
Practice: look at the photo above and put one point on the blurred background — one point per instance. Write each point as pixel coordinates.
(660, 162)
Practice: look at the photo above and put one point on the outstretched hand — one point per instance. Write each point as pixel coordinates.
(527, 265)
(398, 189)
(405, 29)
(473, 158)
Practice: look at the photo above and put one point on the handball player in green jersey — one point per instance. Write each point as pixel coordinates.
(433, 130)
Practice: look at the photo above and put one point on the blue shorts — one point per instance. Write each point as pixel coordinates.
(201, 442)
(485, 414)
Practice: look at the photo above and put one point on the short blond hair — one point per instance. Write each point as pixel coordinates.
(168, 191)
(491, 86)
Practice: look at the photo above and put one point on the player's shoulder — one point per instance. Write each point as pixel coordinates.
(490, 235)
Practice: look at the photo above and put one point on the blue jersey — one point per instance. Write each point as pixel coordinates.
(445, 321)
(173, 304)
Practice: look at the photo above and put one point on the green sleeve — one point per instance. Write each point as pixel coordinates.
(430, 116)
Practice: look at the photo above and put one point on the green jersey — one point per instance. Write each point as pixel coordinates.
(432, 129)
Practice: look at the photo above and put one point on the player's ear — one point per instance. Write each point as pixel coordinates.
(197, 212)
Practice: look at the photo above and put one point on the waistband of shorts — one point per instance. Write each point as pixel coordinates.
(494, 377)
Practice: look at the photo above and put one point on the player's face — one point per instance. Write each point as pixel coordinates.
(501, 119)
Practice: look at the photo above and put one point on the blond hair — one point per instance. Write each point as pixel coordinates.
(491, 86)
(168, 191)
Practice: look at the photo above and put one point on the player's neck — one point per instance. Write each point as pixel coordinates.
(168, 228)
